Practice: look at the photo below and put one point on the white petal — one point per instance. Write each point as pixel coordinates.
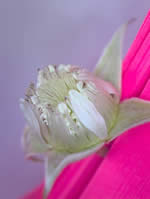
(29, 115)
(106, 104)
(87, 114)
(57, 161)
(33, 121)
(41, 79)
(131, 113)
(60, 136)
(32, 142)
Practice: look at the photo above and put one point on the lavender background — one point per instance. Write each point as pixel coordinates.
(34, 33)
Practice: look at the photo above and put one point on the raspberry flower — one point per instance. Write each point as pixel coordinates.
(72, 113)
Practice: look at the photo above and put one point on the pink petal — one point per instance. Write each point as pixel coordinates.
(124, 173)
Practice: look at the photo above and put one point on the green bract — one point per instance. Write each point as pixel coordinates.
(71, 113)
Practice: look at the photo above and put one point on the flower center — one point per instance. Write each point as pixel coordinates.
(56, 85)
(57, 116)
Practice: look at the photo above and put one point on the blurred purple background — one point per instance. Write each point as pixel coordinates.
(34, 33)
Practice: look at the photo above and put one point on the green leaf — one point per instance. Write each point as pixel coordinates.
(131, 113)
(109, 66)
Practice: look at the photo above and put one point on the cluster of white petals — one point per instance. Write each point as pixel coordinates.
(68, 110)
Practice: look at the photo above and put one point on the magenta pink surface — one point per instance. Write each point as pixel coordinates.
(125, 171)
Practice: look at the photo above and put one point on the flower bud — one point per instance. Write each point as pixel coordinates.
(69, 114)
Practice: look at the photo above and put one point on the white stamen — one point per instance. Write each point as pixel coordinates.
(62, 108)
(91, 86)
(72, 132)
(68, 68)
(61, 67)
(43, 118)
(41, 80)
(75, 119)
(80, 85)
(51, 68)
(73, 116)
(75, 76)
(34, 99)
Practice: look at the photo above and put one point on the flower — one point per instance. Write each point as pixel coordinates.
(72, 113)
